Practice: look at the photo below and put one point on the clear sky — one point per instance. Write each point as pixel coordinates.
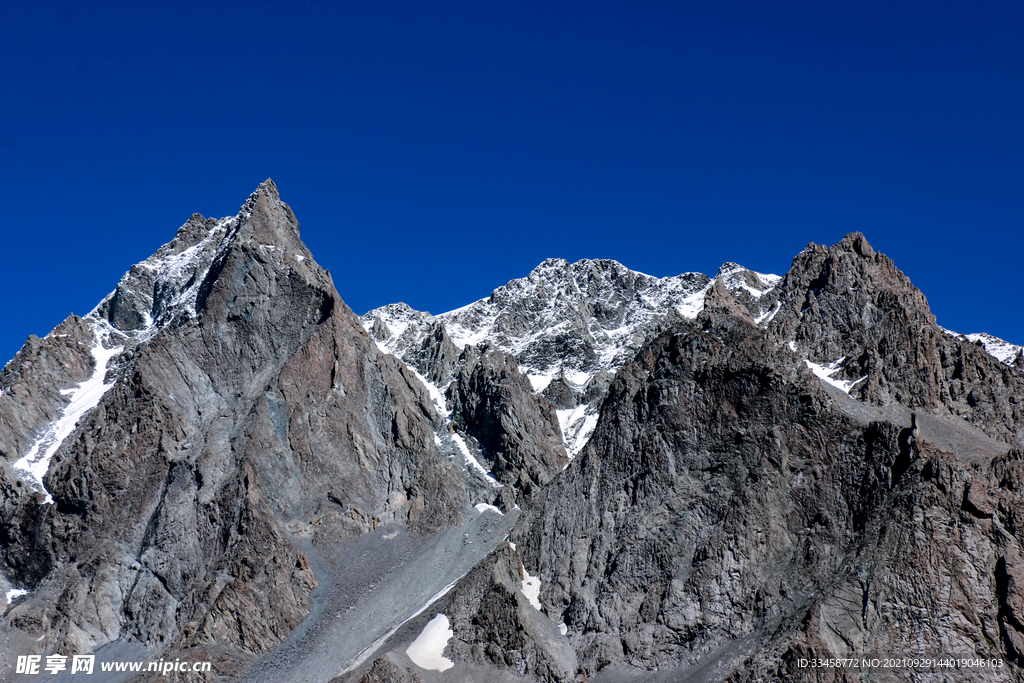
(434, 151)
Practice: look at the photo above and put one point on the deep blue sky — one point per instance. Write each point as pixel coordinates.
(433, 153)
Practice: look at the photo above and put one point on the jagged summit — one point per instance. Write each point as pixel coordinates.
(570, 326)
(174, 281)
(167, 290)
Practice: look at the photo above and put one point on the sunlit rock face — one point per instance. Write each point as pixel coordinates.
(590, 474)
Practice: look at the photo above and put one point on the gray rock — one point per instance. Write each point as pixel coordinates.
(492, 401)
(260, 464)
(32, 382)
(252, 413)
(849, 302)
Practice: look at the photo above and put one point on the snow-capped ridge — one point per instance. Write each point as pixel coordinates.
(566, 323)
(1000, 349)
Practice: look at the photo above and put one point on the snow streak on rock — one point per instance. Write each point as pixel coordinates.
(83, 398)
(531, 588)
(164, 287)
(825, 373)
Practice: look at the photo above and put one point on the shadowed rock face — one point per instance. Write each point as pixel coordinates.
(492, 402)
(727, 518)
(731, 513)
(259, 414)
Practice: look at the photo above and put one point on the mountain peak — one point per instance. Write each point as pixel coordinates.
(175, 280)
(856, 242)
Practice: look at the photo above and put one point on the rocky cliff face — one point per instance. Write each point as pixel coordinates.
(247, 413)
(735, 520)
(492, 401)
(753, 496)
(591, 474)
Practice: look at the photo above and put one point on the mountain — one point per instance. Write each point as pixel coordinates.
(591, 474)
(569, 327)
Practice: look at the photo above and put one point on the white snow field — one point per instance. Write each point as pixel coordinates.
(426, 651)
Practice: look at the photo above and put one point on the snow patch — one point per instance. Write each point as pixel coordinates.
(576, 377)
(1000, 349)
(531, 588)
(767, 317)
(83, 398)
(577, 427)
(824, 373)
(563, 629)
(366, 652)
(732, 277)
(537, 382)
(15, 593)
(482, 507)
(427, 650)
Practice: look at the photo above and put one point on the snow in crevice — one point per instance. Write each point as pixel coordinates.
(538, 382)
(474, 464)
(438, 399)
(577, 426)
(766, 318)
(436, 395)
(427, 650)
(83, 398)
(531, 588)
(825, 372)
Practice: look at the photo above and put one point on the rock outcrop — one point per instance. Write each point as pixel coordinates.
(727, 519)
(850, 303)
(34, 382)
(492, 401)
